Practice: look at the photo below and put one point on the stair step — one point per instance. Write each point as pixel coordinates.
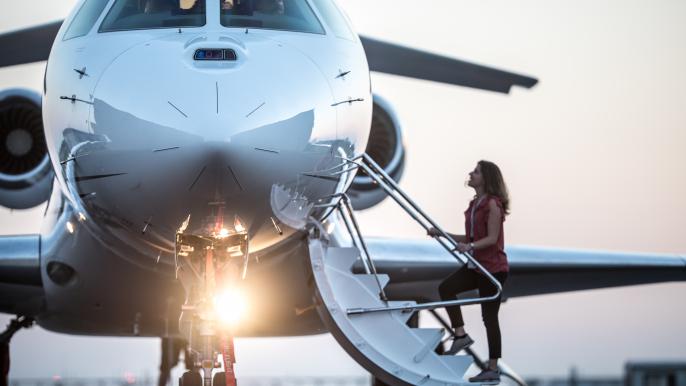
(352, 292)
(342, 259)
(426, 335)
(369, 282)
(459, 364)
(431, 338)
(380, 341)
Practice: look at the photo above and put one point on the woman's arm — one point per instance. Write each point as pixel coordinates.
(495, 218)
(458, 238)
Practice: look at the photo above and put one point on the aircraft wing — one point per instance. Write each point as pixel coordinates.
(28, 45)
(394, 59)
(382, 57)
(417, 267)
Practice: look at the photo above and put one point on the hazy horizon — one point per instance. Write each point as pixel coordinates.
(594, 157)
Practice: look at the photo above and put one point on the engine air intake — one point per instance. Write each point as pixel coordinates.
(21, 136)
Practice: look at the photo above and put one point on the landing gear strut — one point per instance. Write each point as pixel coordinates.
(211, 266)
(5, 338)
(171, 349)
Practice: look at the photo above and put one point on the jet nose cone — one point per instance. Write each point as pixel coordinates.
(159, 90)
(173, 137)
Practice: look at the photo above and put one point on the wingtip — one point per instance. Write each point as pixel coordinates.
(525, 82)
(532, 83)
(396, 59)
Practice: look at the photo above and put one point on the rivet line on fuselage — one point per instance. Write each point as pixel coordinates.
(267, 150)
(350, 101)
(98, 176)
(166, 149)
(197, 178)
(177, 109)
(235, 178)
(343, 74)
(256, 108)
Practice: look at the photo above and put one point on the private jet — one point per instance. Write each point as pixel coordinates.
(202, 163)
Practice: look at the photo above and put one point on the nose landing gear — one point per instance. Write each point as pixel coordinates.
(5, 338)
(211, 269)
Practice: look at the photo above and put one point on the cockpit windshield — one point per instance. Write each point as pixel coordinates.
(150, 14)
(287, 15)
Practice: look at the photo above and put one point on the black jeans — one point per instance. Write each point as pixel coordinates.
(465, 279)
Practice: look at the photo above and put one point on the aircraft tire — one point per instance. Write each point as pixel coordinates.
(219, 379)
(190, 378)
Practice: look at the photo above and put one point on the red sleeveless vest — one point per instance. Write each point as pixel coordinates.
(492, 258)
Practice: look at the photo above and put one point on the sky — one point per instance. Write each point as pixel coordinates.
(593, 156)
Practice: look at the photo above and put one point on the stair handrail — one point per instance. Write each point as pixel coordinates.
(392, 188)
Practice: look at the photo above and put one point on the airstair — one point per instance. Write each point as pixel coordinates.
(356, 310)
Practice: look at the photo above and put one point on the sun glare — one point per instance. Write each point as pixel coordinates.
(231, 306)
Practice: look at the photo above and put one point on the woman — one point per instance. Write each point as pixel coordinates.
(485, 241)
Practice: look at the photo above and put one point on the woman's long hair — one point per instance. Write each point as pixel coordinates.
(494, 184)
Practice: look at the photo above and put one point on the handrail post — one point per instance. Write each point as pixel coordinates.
(346, 202)
(367, 270)
(347, 213)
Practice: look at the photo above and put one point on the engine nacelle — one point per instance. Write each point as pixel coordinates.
(25, 169)
(386, 147)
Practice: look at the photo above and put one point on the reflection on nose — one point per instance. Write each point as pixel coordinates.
(209, 143)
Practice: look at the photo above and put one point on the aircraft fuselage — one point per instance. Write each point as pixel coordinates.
(144, 137)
